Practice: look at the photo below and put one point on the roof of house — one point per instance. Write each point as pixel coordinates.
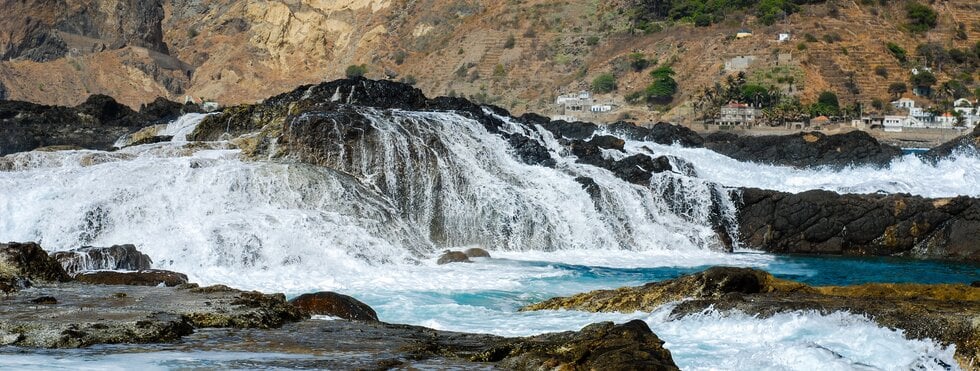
(820, 118)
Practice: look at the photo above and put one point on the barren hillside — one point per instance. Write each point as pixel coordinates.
(516, 54)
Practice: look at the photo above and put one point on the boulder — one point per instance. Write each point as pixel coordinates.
(968, 143)
(476, 252)
(147, 277)
(28, 261)
(453, 257)
(117, 257)
(805, 149)
(599, 346)
(334, 304)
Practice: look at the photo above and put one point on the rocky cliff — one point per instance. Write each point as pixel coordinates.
(514, 54)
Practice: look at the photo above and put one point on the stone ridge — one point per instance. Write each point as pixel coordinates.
(823, 222)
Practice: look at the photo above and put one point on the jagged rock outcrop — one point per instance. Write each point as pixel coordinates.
(95, 124)
(805, 149)
(969, 143)
(42, 30)
(22, 264)
(823, 222)
(944, 312)
(336, 305)
(117, 257)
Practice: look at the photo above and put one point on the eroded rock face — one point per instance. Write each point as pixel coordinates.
(335, 305)
(942, 312)
(147, 277)
(805, 149)
(88, 258)
(823, 222)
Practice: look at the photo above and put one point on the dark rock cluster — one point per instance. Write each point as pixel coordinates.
(95, 124)
(805, 149)
(823, 222)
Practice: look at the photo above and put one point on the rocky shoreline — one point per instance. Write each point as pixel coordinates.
(323, 125)
(947, 313)
(43, 307)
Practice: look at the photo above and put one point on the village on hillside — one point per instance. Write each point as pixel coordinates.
(920, 109)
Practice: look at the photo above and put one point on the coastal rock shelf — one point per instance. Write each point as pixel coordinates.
(947, 312)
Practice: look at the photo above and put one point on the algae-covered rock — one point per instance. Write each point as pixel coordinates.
(947, 313)
(336, 305)
(147, 277)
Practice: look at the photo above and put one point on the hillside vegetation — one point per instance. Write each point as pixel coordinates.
(519, 54)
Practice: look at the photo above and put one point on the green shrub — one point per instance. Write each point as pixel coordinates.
(510, 42)
(638, 62)
(604, 83)
(921, 17)
(898, 52)
(353, 71)
(592, 40)
(881, 71)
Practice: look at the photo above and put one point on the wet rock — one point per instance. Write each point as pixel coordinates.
(599, 346)
(636, 169)
(805, 149)
(608, 142)
(253, 310)
(823, 222)
(96, 314)
(969, 143)
(163, 110)
(147, 277)
(94, 124)
(46, 300)
(943, 312)
(476, 252)
(590, 187)
(21, 263)
(562, 129)
(334, 304)
(117, 257)
(453, 257)
(711, 283)
(661, 132)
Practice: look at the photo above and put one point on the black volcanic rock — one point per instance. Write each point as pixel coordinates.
(661, 132)
(117, 257)
(823, 222)
(95, 124)
(969, 143)
(805, 149)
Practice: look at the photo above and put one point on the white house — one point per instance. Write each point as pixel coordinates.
(783, 37)
(599, 108)
(946, 120)
(905, 103)
(893, 123)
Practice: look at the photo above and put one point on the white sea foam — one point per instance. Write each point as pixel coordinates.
(373, 225)
(950, 177)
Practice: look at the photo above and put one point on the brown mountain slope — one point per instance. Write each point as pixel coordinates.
(514, 53)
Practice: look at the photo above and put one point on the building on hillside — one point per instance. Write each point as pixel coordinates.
(581, 106)
(893, 123)
(737, 114)
(739, 63)
(743, 33)
(783, 37)
(946, 120)
(969, 111)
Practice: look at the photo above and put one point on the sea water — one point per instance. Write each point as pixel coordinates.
(280, 226)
